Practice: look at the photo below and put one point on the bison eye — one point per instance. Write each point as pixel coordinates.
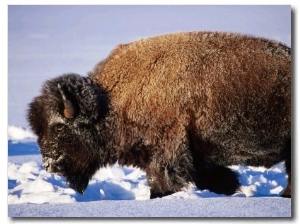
(58, 128)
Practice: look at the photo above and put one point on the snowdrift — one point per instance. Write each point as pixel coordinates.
(123, 191)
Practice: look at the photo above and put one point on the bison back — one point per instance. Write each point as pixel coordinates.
(232, 90)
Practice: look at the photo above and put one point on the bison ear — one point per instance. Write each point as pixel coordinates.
(69, 110)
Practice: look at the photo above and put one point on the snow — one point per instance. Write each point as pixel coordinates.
(124, 192)
(17, 134)
(204, 207)
(36, 53)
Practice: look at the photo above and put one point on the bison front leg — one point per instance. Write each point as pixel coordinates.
(166, 180)
(158, 186)
(167, 175)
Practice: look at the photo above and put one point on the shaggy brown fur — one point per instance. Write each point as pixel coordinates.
(180, 106)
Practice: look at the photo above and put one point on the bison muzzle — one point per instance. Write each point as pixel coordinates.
(182, 107)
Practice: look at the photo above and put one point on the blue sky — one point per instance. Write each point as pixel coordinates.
(47, 41)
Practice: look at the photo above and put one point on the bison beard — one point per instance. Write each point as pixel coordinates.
(182, 107)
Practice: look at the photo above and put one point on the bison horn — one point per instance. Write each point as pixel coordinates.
(68, 107)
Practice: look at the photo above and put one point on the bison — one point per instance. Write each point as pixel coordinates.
(183, 107)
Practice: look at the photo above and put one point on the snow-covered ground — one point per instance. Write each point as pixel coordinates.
(123, 191)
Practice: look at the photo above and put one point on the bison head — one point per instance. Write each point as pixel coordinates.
(66, 118)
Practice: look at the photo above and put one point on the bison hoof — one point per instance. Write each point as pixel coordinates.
(159, 195)
(287, 192)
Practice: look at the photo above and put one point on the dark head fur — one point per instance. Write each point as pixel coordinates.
(70, 145)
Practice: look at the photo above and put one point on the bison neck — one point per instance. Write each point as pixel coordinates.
(122, 145)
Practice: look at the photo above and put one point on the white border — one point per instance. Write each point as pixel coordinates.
(152, 2)
(3, 88)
